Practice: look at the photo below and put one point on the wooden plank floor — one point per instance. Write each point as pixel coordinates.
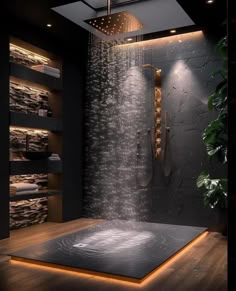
(203, 267)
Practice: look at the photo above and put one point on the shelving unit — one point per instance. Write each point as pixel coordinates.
(25, 75)
(63, 132)
(35, 167)
(4, 148)
(34, 121)
(30, 75)
(33, 195)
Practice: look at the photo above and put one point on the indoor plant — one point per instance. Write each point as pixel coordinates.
(215, 138)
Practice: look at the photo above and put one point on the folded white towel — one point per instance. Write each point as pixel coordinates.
(24, 186)
(46, 68)
(50, 73)
(54, 157)
(26, 192)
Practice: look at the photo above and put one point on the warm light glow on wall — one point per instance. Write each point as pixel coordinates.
(29, 84)
(108, 278)
(25, 51)
(163, 40)
(33, 88)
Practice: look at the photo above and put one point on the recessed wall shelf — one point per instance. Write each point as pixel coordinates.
(25, 73)
(34, 121)
(35, 167)
(23, 115)
(33, 195)
(34, 65)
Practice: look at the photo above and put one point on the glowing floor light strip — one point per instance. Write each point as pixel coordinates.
(110, 277)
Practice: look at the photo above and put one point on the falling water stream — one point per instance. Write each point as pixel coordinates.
(118, 132)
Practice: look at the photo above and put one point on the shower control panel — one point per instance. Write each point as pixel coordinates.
(157, 115)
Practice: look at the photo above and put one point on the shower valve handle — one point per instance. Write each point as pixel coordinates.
(167, 128)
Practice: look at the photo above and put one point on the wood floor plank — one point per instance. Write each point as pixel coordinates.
(202, 267)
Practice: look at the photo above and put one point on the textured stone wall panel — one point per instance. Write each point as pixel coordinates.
(38, 141)
(26, 99)
(24, 57)
(27, 212)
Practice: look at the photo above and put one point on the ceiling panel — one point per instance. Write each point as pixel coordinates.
(103, 3)
(156, 15)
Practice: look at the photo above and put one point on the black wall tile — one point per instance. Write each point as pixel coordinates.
(117, 183)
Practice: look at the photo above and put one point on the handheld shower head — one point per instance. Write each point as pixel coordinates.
(151, 66)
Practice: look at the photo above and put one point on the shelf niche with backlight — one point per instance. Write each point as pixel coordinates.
(19, 119)
(41, 91)
(24, 73)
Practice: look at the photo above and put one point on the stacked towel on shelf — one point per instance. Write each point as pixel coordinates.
(23, 188)
(54, 157)
(47, 70)
(12, 191)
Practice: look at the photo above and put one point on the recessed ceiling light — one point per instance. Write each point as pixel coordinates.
(210, 1)
(49, 25)
(172, 31)
(129, 39)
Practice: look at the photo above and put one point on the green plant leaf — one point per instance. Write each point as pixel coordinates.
(222, 47)
(215, 135)
(212, 150)
(210, 134)
(218, 100)
(215, 138)
(216, 192)
(201, 180)
(223, 72)
(224, 185)
(210, 100)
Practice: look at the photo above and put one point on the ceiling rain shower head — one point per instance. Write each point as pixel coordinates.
(112, 24)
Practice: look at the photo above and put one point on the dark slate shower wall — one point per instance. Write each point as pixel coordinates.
(122, 180)
(187, 63)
